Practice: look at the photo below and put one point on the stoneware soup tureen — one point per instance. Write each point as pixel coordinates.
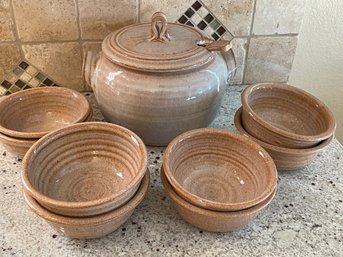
(159, 79)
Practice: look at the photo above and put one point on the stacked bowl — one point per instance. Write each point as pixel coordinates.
(86, 179)
(27, 115)
(217, 180)
(289, 123)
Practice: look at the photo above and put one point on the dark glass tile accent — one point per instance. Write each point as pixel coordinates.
(40, 76)
(18, 71)
(7, 93)
(55, 85)
(48, 82)
(20, 83)
(196, 6)
(27, 87)
(202, 25)
(221, 30)
(6, 84)
(183, 19)
(189, 13)
(215, 36)
(190, 24)
(23, 65)
(208, 18)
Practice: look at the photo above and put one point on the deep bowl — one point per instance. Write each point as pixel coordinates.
(285, 158)
(219, 170)
(85, 169)
(33, 113)
(285, 116)
(213, 221)
(90, 227)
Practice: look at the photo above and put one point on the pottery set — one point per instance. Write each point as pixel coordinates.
(86, 179)
(160, 79)
(217, 180)
(290, 124)
(26, 116)
(162, 84)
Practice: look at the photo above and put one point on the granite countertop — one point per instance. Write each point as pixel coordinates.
(304, 219)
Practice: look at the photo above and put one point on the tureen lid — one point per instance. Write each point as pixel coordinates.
(157, 46)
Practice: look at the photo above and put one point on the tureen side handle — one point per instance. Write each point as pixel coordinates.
(225, 48)
(90, 59)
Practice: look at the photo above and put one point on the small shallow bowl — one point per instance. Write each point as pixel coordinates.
(285, 116)
(213, 221)
(85, 169)
(219, 170)
(284, 158)
(33, 113)
(19, 146)
(90, 227)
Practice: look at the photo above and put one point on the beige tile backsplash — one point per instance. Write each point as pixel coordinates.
(52, 34)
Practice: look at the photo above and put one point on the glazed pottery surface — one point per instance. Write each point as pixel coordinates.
(285, 158)
(285, 116)
(16, 146)
(90, 227)
(85, 169)
(213, 221)
(32, 113)
(219, 170)
(160, 79)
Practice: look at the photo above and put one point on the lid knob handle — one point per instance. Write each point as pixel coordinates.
(159, 30)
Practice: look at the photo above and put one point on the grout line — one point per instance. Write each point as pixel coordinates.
(248, 43)
(79, 38)
(15, 31)
(138, 11)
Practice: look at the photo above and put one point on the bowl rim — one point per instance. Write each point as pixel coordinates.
(75, 128)
(91, 220)
(239, 126)
(66, 92)
(213, 205)
(289, 135)
(175, 197)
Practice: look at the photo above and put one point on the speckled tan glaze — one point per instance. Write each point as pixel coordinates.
(218, 170)
(33, 113)
(85, 169)
(285, 116)
(213, 221)
(159, 85)
(285, 158)
(90, 227)
(19, 146)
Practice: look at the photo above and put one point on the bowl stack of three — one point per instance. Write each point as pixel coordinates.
(28, 115)
(290, 124)
(86, 179)
(217, 180)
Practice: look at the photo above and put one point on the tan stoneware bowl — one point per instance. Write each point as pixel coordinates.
(285, 158)
(219, 170)
(85, 169)
(285, 116)
(19, 146)
(35, 112)
(90, 227)
(213, 221)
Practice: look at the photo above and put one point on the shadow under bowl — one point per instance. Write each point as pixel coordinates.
(219, 170)
(85, 169)
(33, 113)
(213, 221)
(284, 158)
(90, 227)
(285, 116)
